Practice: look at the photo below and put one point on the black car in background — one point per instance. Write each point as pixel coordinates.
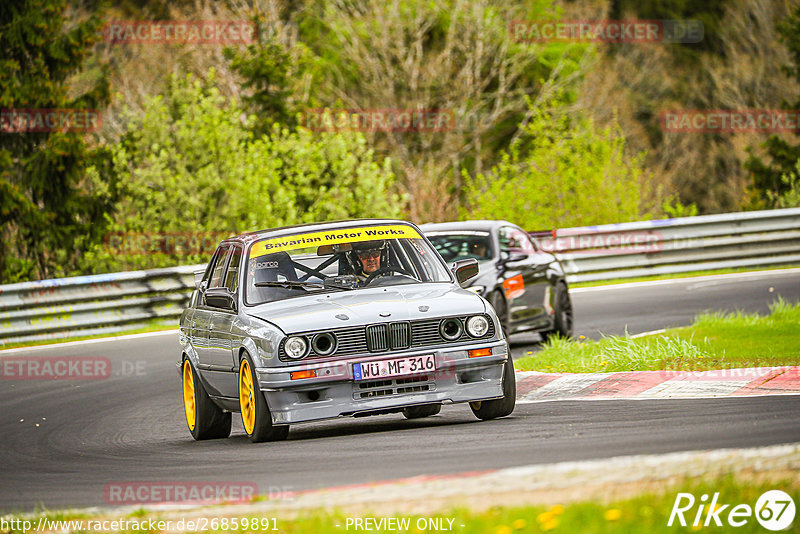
(526, 285)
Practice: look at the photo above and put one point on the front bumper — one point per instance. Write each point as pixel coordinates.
(334, 392)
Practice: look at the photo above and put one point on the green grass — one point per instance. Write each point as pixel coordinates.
(714, 341)
(154, 325)
(645, 513)
(678, 275)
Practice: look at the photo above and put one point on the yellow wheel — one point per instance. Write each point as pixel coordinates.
(206, 420)
(256, 417)
(247, 400)
(188, 394)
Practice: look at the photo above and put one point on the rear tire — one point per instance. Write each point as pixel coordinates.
(205, 419)
(256, 417)
(499, 407)
(563, 316)
(418, 412)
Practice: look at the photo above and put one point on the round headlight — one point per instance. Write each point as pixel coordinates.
(324, 343)
(451, 329)
(477, 326)
(296, 347)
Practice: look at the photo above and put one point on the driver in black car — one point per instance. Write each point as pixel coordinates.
(370, 256)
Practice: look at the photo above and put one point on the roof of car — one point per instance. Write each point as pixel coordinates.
(310, 227)
(480, 225)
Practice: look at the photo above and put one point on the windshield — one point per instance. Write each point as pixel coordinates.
(339, 259)
(462, 245)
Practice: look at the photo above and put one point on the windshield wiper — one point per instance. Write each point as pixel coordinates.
(291, 284)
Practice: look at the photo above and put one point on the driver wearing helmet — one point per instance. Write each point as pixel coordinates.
(369, 257)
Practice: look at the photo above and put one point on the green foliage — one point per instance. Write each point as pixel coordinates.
(48, 213)
(674, 208)
(192, 164)
(264, 68)
(775, 180)
(452, 56)
(561, 173)
(714, 341)
(789, 197)
(709, 12)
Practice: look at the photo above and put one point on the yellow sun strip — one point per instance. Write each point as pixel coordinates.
(332, 237)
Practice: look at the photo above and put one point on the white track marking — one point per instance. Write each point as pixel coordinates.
(566, 386)
(89, 341)
(650, 333)
(715, 277)
(693, 388)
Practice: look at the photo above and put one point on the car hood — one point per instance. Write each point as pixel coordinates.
(368, 306)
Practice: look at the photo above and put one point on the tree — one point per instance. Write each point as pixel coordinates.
(562, 172)
(48, 213)
(452, 56)
(191, 163)
(777, 178)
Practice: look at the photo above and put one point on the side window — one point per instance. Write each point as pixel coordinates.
(232, 274)
(513, 239)
(219, 255)
(219, 267)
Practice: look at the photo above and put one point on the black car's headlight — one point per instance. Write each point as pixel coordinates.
(477, 326)
(296, 347)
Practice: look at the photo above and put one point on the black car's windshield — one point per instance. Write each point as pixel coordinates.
(339, 259)
(462, 245)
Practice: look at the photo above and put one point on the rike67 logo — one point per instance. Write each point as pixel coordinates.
(774, 510)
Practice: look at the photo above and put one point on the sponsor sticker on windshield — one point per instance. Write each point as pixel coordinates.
(332, 237)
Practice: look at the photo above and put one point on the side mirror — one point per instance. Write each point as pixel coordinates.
(512, 257)
(220, 297)
(465, 270)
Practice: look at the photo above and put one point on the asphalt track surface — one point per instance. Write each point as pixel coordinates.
(62, 442)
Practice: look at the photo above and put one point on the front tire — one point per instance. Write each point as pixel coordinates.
(256, 417)
(205, 419)
(493, 409)
(418, 412)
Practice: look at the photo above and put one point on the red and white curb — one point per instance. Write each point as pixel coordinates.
(533, 386)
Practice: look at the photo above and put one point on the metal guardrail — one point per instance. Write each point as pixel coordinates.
(88, 305)
(672, 246)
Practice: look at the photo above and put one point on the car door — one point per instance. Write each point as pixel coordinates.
(218, 356)
(205, 315)
(201, 319)
(221, 361)
(524, 278)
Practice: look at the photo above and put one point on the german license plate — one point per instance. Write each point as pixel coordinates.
(411, 365)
